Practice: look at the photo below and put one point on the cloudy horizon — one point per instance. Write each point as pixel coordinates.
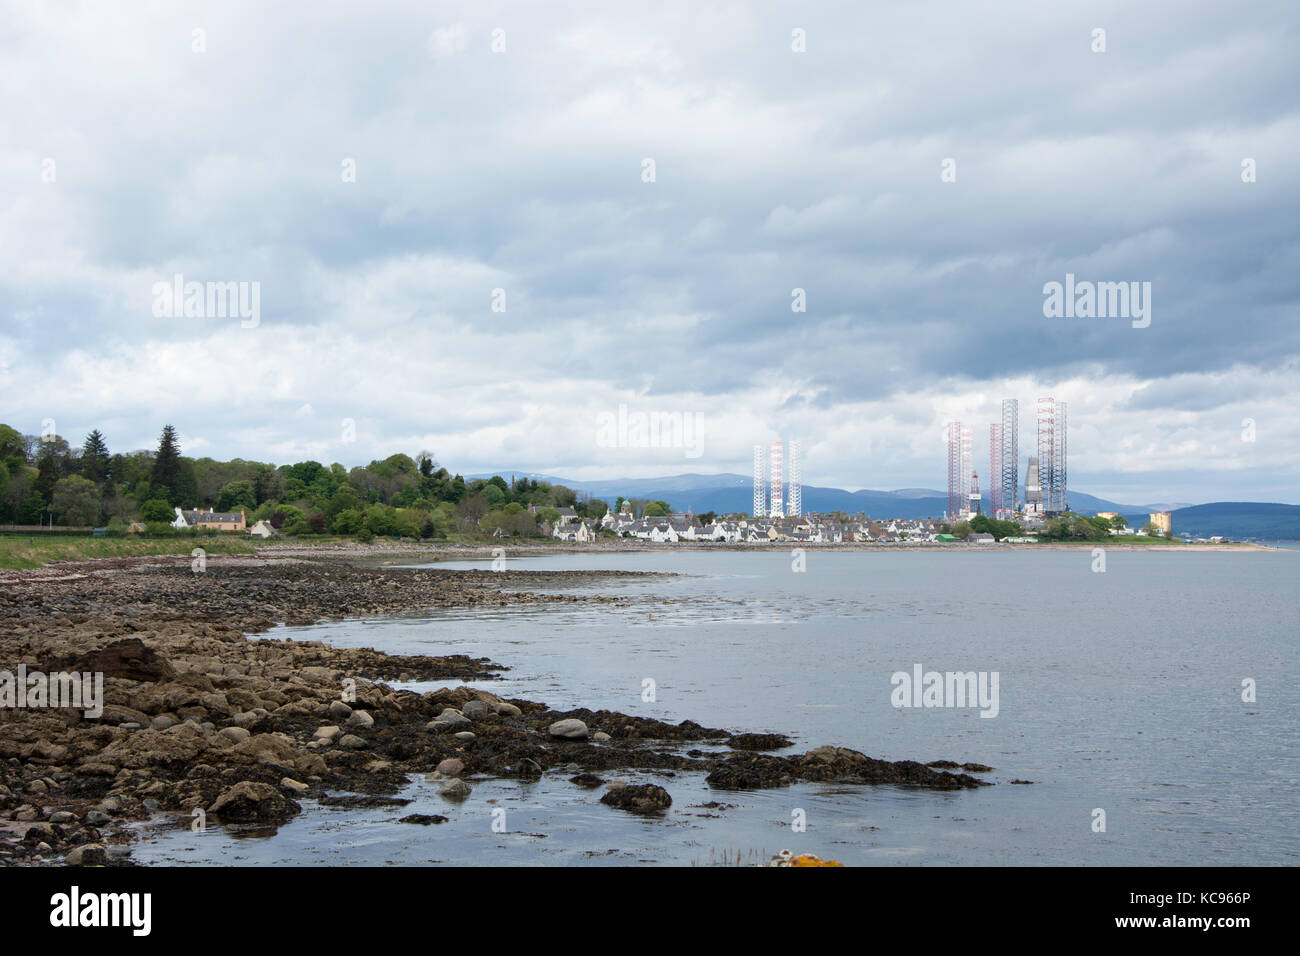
(480, 229)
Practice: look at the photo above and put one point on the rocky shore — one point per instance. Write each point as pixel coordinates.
(203, 720)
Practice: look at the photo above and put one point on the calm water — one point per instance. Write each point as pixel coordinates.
(1119, 690)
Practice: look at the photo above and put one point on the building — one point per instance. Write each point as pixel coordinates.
(209, 520)
(1163, 520)
(1033, 491)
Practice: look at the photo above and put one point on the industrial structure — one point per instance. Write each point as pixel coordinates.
(1033, 491)
(1008, 474)
(960, 462)
(778, 470)
(995, 470)
(794, 479)
(1045, 492)
(1051, 455)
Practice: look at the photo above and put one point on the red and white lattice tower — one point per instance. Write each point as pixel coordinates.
(967, 458)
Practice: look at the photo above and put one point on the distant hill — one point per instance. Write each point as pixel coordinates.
(1239, 519)
(729, 492)
(734, 493)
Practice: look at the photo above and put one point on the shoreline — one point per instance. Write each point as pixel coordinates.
(203, 716)
(374, 552)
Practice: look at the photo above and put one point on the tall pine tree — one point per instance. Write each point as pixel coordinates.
(94, 457)
(167, 466)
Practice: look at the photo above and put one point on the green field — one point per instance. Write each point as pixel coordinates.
(34, 551)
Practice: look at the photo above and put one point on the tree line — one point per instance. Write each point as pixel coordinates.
(45, 480)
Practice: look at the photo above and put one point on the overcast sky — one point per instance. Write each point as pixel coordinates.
(133, 149)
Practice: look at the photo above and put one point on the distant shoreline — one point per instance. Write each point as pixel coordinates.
(376, 552)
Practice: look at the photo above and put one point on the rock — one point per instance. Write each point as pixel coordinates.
(477, 709)
(294, 786)
(454, 719)
(759, 742)
(527, 767)
(360, 718)
(570, 729)
(249, 802)
(454, 789)
(63, 817)
(600, 737)
(162, 722)
(423, 819)
(506, 709)
(129, 659)
(466, 736)
(88, 854)
(97, 818)
(25, 814)
(352, 742)
(237, 734)
(339, 710)
(327, 733)
(588, 780)
(451, 767)
(645, 799)
(42, 833)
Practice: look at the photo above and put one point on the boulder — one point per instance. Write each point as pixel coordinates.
(454, 789)
(129, 659)
(454, 719)
(88, 854)
(252, 802)
(645, 799)
(361, 719)
(570, 729)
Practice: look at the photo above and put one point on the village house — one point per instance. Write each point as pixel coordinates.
(209, 520)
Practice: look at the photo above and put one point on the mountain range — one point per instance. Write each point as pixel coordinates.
(726, 493)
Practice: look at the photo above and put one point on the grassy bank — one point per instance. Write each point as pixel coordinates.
(33, 551)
